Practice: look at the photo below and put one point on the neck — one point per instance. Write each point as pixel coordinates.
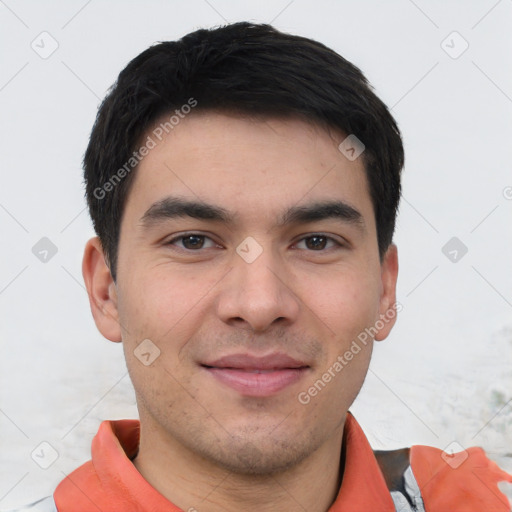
(193, 483)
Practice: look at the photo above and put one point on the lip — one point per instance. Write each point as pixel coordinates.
(275, 361)
(257, 376)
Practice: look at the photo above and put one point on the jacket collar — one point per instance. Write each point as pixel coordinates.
(111, 482)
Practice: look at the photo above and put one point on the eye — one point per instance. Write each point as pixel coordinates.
(318, 242)
(192, 241)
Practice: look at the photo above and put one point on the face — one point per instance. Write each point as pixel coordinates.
(248, 257)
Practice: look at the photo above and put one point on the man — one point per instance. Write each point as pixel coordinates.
(244, 184)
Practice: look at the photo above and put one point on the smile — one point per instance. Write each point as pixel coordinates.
(257, 376)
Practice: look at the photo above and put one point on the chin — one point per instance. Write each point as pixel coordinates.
(253, 456)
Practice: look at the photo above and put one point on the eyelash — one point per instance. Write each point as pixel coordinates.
(338, 244)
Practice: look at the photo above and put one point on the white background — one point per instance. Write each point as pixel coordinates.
(445, 373)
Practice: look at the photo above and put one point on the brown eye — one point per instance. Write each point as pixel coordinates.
(316, 242)
(193, 241)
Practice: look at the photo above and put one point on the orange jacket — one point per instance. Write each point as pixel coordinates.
(432, 481)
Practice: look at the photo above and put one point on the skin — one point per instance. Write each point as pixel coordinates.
(203, 444)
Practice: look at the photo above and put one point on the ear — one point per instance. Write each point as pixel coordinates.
(388, 307)
(101, 289)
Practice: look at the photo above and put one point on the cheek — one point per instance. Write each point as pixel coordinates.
(346, 301)
(352, 303)
(160, 305)
(167, 310)
(171, 309)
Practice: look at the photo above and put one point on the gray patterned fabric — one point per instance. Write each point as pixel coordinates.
(411, 501)
(44, 505)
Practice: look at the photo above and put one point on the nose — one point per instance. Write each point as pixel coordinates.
(258, 295)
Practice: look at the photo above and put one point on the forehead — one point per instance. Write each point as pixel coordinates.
(253, 167)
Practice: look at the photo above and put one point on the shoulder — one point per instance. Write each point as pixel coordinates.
(428, 477)
(44, 505)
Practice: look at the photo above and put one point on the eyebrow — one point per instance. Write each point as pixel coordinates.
(170, 208)
(322, 210)
(175, 207)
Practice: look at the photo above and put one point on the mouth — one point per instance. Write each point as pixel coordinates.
(257, 376)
